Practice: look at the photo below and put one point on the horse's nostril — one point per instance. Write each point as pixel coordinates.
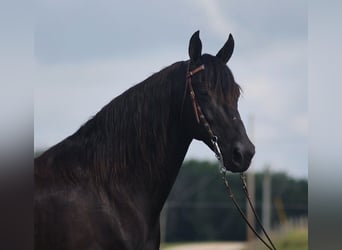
(250, 153)
(249, 156)
(237, 156)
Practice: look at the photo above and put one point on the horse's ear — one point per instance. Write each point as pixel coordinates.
(195, 47)
(227, 50)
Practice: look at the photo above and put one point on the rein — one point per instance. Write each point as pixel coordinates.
(200, 118)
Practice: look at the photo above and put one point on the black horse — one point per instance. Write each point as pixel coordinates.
(104, 186)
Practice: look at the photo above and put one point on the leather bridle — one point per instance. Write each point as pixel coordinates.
(201, 119)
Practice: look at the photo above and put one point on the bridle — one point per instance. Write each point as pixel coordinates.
(201, 119)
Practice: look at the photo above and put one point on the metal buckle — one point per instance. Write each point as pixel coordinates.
(218, 155)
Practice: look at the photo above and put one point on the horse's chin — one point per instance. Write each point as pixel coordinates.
(230, 166)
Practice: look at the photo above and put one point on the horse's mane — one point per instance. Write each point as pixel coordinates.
(126, 137)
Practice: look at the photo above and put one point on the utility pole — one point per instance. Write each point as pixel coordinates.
(266, 199)
(250, 186)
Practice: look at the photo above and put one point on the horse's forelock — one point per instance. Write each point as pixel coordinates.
(221, 81)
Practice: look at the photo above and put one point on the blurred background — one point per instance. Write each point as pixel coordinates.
(88, 52)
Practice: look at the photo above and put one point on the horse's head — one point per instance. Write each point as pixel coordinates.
(216, 95)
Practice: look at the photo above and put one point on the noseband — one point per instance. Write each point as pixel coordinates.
(200, 118)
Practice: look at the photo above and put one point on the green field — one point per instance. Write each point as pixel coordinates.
(293, 240)
(204, 246)
(296, 239)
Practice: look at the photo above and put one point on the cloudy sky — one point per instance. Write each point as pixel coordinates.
(85, 53)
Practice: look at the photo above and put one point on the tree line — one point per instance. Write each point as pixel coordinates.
(198, 207)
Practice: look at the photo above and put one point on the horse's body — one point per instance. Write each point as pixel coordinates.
(104, 186)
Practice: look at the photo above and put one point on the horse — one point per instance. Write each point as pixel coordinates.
(104, 186)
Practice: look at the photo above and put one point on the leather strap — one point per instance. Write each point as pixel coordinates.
(192, 92)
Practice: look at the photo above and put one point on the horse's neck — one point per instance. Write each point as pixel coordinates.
(177, 141)
(157, 186)
(178, 146)
(153, 191)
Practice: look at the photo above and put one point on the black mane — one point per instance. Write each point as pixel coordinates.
(127, 137)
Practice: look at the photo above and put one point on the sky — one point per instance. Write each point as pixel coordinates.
(88, 52)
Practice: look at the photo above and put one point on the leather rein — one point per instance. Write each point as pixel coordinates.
(201, 119)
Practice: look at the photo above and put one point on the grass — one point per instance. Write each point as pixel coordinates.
(207, 245)
(296, 239)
